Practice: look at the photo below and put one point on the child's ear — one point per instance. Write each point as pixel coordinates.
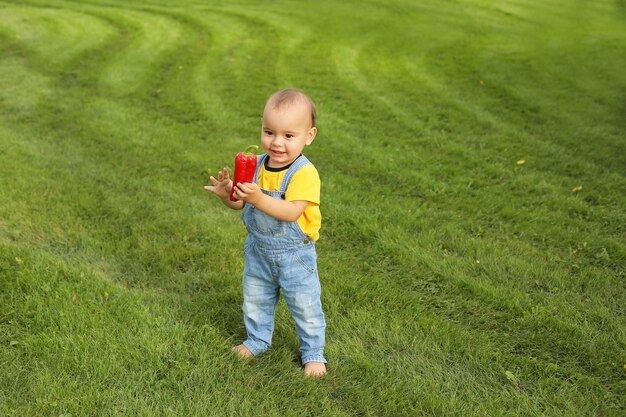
(310, 136)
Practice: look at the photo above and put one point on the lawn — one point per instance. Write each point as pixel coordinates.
(473, 245)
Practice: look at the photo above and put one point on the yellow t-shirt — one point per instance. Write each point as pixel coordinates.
(304, 185)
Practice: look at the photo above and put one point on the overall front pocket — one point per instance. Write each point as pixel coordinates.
(266, 224)
(307, 258)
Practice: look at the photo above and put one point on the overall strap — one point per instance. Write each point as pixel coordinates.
(297, 164)
(259, 163)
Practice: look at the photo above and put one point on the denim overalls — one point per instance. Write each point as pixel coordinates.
(278, 255)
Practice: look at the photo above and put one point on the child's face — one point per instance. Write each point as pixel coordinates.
(286, 131)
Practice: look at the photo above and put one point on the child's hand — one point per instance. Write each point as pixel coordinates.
(222, 185)
(248, 192)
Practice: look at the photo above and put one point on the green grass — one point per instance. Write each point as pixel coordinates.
(455, 280)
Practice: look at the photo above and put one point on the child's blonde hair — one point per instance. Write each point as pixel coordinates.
(290, 96)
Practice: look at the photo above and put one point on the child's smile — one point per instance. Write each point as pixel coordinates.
(286, 131)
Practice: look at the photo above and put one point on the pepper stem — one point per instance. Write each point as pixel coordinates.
(251, 150)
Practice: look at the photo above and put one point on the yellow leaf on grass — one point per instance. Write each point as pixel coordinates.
(521, 162)
(577, 189)
(510, 376)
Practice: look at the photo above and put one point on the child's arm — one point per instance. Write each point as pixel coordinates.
(287, 211)
(221, 188)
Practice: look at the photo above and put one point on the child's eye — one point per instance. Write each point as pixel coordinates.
(289, 136)
(268, 132)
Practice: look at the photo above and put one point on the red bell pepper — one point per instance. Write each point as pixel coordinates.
(245, 167)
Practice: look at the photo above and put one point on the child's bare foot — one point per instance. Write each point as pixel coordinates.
(242, 351)
(314, 369)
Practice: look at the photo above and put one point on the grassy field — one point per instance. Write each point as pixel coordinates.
(473, 164)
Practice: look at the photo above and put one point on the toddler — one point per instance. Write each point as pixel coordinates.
(282, 215)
